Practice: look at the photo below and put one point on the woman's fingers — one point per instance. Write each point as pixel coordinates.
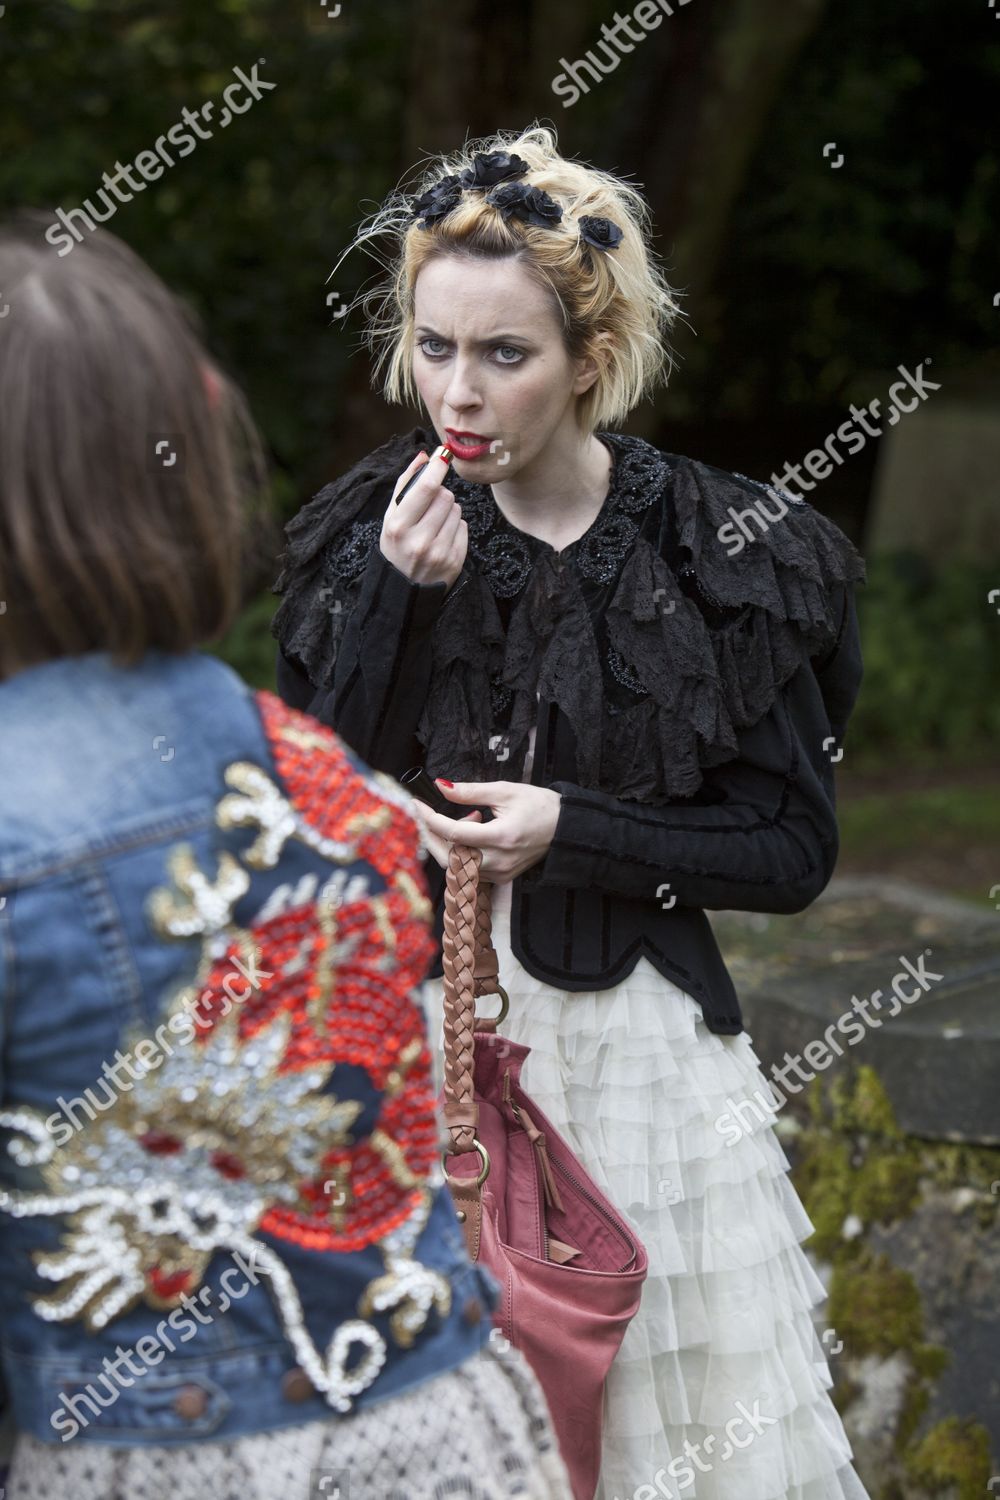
(411, 469)
(422, 532)
(484, 836)
(417, 501)
(440, 847)
(448, 535)
(438, 850)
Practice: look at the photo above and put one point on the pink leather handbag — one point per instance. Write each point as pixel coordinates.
(570, 1268)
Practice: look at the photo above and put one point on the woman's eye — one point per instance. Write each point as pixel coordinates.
(505, 354)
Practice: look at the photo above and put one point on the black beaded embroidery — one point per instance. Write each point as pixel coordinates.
(624, 673)
(478, 507)
(505, 554)
(501, 698)
(771, 489)
(640, 475)
(351, 555)
(715, 611)
(603, 551)
(506, 561)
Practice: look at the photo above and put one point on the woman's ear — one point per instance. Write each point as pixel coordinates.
(592, 364)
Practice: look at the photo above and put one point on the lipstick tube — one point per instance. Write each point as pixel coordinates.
(442, 452)
(419, 784)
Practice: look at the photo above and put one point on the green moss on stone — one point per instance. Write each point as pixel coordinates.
(915, 1403)
(823, 1181)
(868, 1109)
(875, 1306)
(961, 1165)
(954, 1456)
(930, 1359)
(852, 1158)
(887, 1186)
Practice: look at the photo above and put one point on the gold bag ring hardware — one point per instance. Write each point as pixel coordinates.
(504, 1004)
(484, 1157)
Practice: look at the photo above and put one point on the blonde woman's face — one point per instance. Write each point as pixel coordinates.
(490, 365)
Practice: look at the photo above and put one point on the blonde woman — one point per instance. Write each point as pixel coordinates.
(562, 629)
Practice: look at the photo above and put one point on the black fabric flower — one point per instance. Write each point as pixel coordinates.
(490, 167)
(438, 200)
(515, 200)
(601, 233)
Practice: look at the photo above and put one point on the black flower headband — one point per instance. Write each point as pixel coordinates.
(495, 171)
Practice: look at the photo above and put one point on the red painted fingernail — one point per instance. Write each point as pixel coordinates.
(444, 781)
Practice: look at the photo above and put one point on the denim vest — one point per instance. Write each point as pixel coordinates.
(222, 1208)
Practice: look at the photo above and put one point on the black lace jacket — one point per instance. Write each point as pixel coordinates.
(694, 675)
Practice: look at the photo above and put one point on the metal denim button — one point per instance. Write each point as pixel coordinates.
(190, 1402)
(296, 1385)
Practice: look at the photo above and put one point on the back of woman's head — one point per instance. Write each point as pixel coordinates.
(122, 512)
(613, 304)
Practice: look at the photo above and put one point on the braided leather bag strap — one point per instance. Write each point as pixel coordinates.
(487, 969)
(469, 962)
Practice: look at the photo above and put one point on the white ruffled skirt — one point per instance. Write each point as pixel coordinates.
(721, 1387)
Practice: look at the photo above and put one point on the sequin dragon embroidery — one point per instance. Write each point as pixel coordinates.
(238, 1130)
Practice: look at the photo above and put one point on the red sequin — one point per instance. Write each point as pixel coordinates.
(168, 1285)
(228, 1165)
(160, 1143)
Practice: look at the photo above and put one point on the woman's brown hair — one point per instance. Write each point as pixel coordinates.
(127, 459)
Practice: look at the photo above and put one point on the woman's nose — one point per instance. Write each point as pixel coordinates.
(462, 392)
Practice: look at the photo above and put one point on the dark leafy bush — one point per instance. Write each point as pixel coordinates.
(931, 644)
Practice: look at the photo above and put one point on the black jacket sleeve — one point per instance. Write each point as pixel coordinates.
(764, 834)
(382, 668)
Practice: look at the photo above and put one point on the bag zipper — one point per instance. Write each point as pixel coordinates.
(591, 1199)
(570, 1177)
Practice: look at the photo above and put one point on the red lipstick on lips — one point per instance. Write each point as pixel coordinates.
(467, 444)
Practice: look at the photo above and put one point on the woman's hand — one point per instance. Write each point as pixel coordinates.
(524, 822)
(425, 536)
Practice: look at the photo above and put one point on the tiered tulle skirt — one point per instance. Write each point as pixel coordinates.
(721, 1388)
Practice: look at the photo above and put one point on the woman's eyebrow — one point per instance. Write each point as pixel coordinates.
(494, 338)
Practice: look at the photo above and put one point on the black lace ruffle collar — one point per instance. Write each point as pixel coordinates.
(687, 646)
(505, 554)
